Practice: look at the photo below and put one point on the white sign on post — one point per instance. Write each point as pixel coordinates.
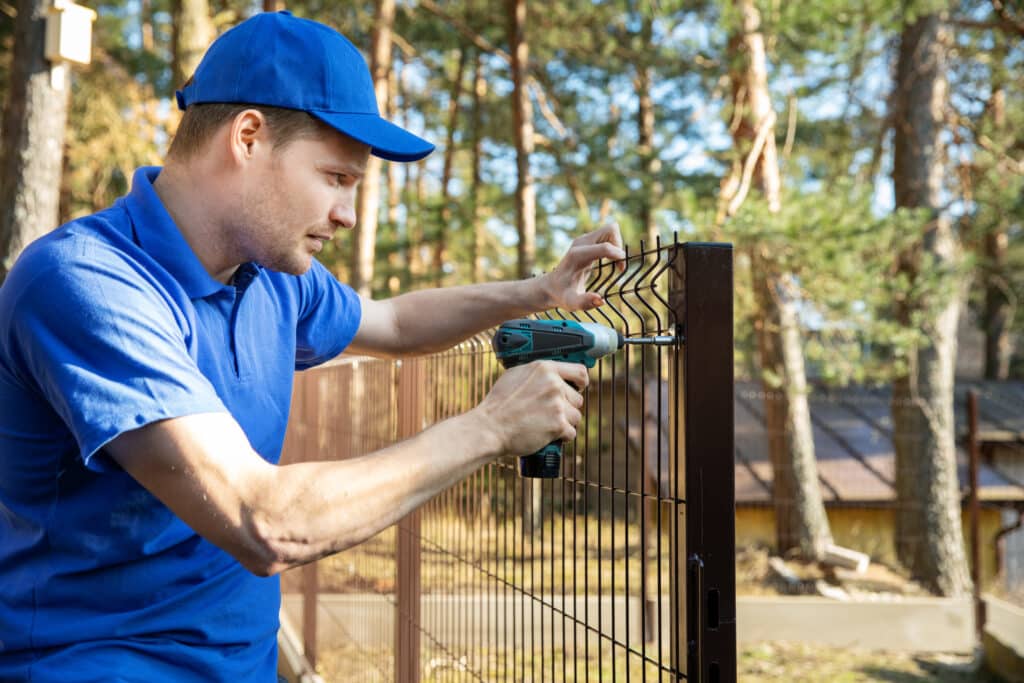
(68, 38)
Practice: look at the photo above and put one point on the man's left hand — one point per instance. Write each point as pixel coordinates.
(566, 285)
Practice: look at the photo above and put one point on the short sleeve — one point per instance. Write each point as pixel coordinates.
(106, 349)
(329, 317)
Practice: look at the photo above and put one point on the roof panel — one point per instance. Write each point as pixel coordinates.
(852, 437)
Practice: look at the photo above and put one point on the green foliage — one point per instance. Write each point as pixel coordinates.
(118, 122)
(829, 66)
(842, 256)
(989, 141)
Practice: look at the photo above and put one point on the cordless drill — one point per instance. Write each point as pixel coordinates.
(520, 341)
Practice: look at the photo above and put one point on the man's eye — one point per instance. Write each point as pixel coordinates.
(337, 178)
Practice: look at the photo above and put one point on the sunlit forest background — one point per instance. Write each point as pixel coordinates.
(637, 112)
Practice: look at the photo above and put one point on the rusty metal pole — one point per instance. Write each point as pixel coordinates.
(310, 587)
(974, 508)
(411, 378)
(704, 610)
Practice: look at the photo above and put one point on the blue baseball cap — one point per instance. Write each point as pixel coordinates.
(279, 60)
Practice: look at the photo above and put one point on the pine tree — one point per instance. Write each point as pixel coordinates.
(929, 539)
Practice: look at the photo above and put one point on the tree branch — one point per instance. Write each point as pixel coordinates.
(787, 148)
(1009, 22)
(543, 100)
(763, 131)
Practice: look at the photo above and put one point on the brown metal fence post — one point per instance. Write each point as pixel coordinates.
(310, 587)
(411, 378)
(677, 459)
(309, 599)
(702, 466)
(975, 512)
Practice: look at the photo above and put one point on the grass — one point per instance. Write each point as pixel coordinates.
(471, 556)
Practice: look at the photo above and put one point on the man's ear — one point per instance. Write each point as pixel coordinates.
(248, 135)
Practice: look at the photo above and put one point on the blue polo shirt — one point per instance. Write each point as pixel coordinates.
(107, 324)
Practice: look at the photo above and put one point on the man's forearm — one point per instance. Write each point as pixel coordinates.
(319, 508)
(436, 319)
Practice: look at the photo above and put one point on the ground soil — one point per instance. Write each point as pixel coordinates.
(804, 663)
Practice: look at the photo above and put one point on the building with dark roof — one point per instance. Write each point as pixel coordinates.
(856, 468)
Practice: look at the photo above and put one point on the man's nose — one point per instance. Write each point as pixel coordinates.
(343, 214)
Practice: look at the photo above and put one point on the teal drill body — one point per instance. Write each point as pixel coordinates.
(521, 341)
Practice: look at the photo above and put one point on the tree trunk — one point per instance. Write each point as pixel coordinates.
(414, 223)
(445, 217)
(368, 203)
(929, 539)
(479, 90)
(526, 203)
(146, 24)
(192, 34)
(998, 316)
(998, 310)
(800, 518)
(649, 162)
(395, 281)
(394, 198)
(34, 119)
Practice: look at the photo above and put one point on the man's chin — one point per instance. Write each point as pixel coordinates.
(296, 267)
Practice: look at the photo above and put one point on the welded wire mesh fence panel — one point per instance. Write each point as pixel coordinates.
(582, 577)
(604, 573)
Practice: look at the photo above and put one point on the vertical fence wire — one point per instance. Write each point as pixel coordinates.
(572, 579)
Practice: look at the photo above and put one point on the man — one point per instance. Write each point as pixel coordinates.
(146, 363)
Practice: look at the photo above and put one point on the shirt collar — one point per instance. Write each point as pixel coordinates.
(160, 238)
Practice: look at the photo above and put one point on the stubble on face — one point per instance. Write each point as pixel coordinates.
(267, 226)
(275, 243)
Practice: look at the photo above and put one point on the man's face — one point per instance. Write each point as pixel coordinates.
(298, 199)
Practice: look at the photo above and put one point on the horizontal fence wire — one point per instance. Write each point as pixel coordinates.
(567, 579)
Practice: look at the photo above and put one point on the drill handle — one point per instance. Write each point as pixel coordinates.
(545, 463)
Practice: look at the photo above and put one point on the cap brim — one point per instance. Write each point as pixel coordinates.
(386, 140)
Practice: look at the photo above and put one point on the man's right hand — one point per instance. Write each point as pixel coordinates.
(532, 405)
